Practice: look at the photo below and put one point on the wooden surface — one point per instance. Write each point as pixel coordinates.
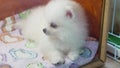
(11, 7)
(104, 31)
(93, 10)
(110, 63)
(94, 64)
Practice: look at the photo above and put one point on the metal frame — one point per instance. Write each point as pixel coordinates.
(114, 46)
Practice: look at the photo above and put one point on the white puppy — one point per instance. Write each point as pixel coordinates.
(59, 29)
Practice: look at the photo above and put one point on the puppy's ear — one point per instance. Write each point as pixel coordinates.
(69, 14)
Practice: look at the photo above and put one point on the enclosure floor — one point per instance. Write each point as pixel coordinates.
(111, 64)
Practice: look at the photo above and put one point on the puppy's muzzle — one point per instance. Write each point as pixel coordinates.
(44, 30)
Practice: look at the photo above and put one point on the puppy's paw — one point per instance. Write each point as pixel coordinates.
(74, 55)
(57, 60)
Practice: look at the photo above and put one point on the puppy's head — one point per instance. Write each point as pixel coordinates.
(58, 16)
(58, 26)
(62, 17)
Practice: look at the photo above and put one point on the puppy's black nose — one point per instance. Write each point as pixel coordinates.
(44, 30)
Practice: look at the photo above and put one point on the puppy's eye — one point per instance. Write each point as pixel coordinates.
(53, 25)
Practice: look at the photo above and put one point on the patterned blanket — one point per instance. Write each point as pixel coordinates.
(17, 52)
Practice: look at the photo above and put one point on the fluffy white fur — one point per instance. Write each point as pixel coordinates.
(65, 38)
